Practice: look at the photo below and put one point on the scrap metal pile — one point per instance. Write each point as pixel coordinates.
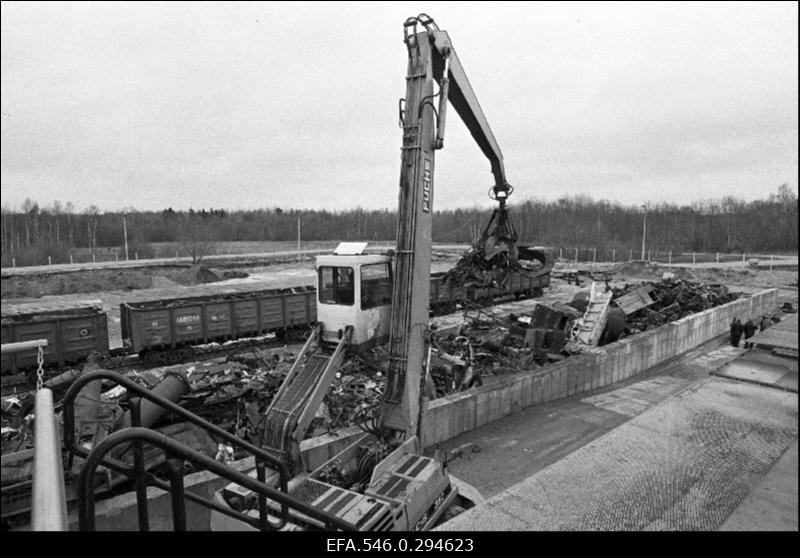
(235, 395)
(488, 345)
(668, 300)
(356, 390)
(462, 360)
(17, 419)
(232, 393)
(481, 269)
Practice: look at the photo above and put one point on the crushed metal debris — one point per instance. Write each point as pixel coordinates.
(668, 300)
(476, 268)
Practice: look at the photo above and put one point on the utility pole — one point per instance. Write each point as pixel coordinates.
(644, 231)
(298, 238)
(125, 234)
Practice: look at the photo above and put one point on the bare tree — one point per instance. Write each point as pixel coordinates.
(195, 231)
(92, 221)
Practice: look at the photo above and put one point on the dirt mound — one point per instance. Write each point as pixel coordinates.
(96, 280)
(746, 277)
(158, 282)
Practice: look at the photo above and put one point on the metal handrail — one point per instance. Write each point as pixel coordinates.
(137, 472)
(49, 500)
(20, 346)
(71, 441)
(176, 453)
(49, 506)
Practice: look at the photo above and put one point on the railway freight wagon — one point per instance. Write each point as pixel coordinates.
(445, 295)
(71, 335)
(164, 331)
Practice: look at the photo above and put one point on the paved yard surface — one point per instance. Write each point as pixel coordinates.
(772, 504)
(685, 464)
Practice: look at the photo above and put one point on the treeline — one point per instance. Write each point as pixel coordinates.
(33, 232)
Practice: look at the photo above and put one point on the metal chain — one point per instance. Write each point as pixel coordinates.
(40, 370)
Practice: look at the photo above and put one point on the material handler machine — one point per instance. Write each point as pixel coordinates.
(382, 481)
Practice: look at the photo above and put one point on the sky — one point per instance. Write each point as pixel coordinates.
(149, 105)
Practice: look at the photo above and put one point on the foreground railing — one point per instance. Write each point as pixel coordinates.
(176, 453)
(49, 501)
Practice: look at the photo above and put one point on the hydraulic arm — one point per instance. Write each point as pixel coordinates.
(431, 58)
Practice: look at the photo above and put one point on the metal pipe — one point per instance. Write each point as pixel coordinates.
(138, 465)
(176, 492)
(87, 407)
(72, 444)
(444, 89)
(20, 346)
(58, 382)
(263, 517)
(49, 502)
(172, 387)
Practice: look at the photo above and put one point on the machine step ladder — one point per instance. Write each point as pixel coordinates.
(296, 403)
(594, 319)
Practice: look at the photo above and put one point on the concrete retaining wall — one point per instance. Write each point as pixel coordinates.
(595, 368)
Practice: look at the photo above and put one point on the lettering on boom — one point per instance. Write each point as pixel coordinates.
(426, 186)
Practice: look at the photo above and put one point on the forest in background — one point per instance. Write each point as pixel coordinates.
(33, 233)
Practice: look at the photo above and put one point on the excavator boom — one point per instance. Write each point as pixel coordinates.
(431, 59)
(463, 99)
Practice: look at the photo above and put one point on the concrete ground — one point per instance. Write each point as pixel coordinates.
(675, 449)
(534, 438)
(772, 503)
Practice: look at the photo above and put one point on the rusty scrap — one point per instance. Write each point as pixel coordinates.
(476, 268)
(637, 299)
(578, 276)
(673, 299)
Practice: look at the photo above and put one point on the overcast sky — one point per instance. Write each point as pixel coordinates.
(294, 105)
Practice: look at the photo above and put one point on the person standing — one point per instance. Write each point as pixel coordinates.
(765, 322)
(736, 331)
(749, 329)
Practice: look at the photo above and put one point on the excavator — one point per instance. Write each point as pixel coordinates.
(383, 481)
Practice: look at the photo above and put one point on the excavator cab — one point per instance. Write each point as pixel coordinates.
(354, 290)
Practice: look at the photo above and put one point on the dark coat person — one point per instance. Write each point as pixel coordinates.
(749, 329)
(736, 331)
